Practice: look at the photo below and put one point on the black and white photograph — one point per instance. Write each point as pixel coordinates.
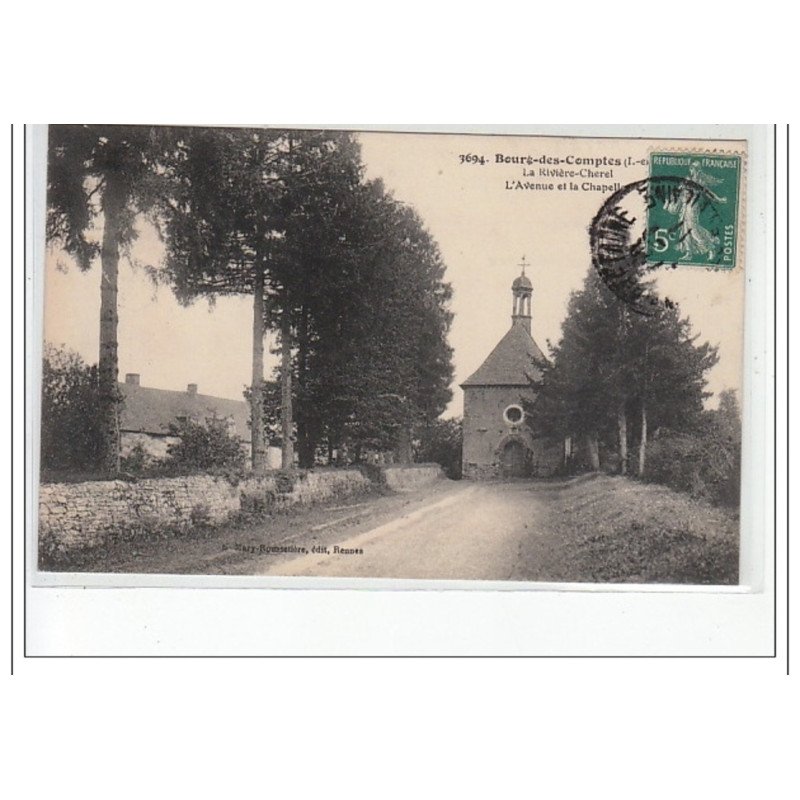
(324, 353)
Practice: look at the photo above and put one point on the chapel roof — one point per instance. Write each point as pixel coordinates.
(148, 410)
(522, 282)
(511, 363)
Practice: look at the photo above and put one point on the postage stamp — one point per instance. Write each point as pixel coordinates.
(697, 223)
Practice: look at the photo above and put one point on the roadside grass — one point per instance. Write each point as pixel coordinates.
(617, 530)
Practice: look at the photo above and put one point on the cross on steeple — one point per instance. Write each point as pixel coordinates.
(523, 264)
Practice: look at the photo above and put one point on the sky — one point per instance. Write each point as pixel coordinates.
(483, 229)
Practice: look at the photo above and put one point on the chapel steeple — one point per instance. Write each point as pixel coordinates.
(522, 290)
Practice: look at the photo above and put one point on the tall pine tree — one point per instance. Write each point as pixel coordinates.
(372, 359)
(615, 372)
(113, 173)
(244, 199)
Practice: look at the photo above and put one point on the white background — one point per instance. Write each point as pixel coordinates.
(548, 727)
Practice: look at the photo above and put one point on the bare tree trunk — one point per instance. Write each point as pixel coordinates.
(287, 452)
(108, 362)
(593, 451)
(404, 454)
(307, 432)
(258, 450)
(622, 420)
(643, 435)
(643, 441)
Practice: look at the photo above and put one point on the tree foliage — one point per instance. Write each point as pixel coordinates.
(351, 280)
(71, 438)
(373, 360)
(704, 461)
(242, 205)
(616, 374)
(441, 443)
(222, 214)
(576, 388)
(204, 446)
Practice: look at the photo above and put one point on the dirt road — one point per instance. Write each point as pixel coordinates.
(473, 531)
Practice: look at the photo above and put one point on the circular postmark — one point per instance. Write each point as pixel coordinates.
(629, 234)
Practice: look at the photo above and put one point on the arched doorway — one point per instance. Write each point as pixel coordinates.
(512, 459)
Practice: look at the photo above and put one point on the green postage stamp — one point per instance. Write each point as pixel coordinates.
(697, 222)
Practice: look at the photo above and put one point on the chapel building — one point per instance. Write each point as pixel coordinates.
(497, 442)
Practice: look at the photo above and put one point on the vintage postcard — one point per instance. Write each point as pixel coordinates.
(410, 355)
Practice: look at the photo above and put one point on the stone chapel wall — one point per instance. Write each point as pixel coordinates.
(485, 430)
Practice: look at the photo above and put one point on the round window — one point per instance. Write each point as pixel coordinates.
(513, 415)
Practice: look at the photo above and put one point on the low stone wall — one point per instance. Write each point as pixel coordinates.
(320, 485)
(83, 514)
(283, 490)
(75, 515)
(410, 477)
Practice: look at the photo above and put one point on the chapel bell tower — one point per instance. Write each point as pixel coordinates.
(522, 290)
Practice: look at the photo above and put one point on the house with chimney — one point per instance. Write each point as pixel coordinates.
(147, 414)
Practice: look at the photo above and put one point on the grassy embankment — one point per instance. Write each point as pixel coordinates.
(613, 529)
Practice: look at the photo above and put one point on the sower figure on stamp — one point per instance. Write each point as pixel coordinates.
(694, 237)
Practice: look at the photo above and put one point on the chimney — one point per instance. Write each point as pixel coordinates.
(132, 378)
(191, 389)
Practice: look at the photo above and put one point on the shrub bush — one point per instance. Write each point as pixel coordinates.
(200, 514)
(285, 481)
(70, 410)
(706, 463)
(136, 462)
(440, 443)
(208, 448)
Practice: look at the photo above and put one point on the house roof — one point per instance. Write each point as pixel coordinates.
(511, 363)
(147, 410)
